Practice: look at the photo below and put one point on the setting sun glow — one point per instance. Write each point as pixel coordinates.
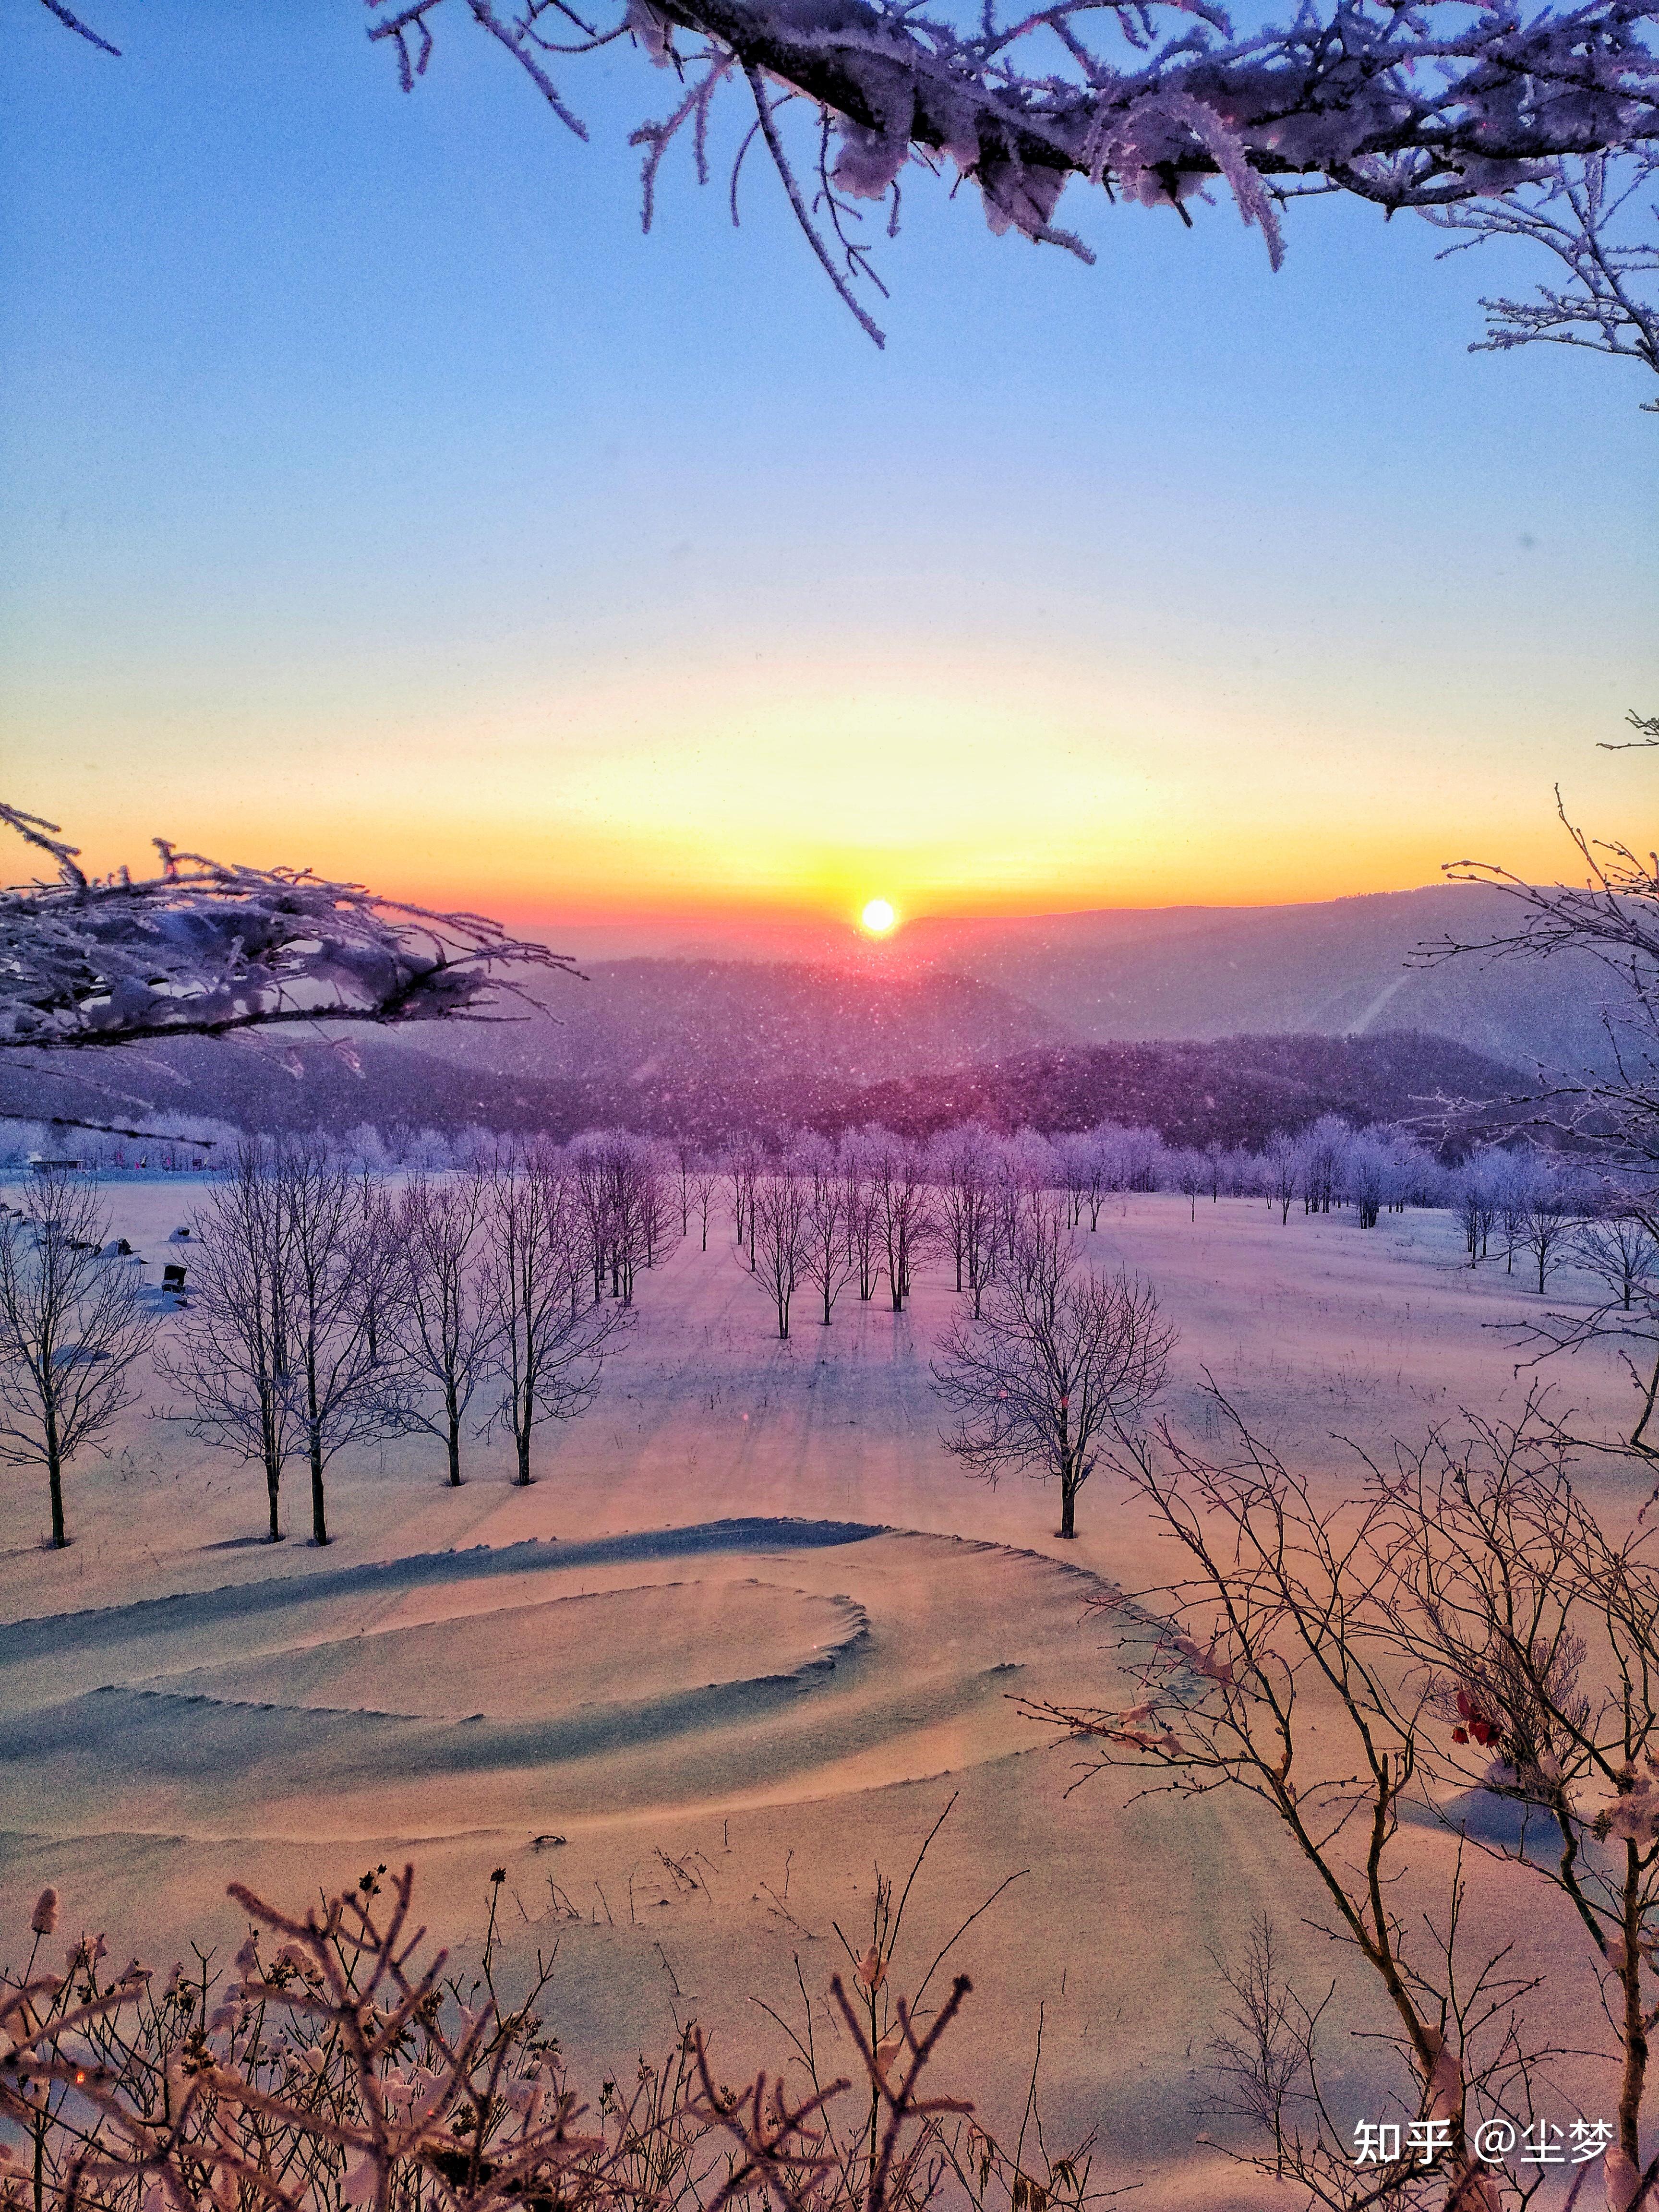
(879, 917)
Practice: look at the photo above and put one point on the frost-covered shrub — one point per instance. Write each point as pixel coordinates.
(342, 2062)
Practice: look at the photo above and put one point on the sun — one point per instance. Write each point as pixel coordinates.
(879, 917)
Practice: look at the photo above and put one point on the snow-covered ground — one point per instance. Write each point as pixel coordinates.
(750, 1616)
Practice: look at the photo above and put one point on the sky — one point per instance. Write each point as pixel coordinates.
(375, 496)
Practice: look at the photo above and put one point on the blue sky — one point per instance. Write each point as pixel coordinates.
(375, 495)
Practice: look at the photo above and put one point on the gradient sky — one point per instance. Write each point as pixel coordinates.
(374, 495)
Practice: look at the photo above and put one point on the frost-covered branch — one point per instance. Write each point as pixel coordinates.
(343, 2064)
(1583, 211)
(1613, 917)
(203, 949)
(1422, 106)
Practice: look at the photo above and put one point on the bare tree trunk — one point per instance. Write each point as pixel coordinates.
(1650, 1395)
(318, 1508)
(55, 1482)
(1636, 2026)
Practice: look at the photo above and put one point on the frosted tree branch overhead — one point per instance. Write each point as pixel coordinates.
(1422, 103)
(203, 949)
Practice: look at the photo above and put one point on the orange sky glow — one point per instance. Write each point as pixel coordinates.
(789, 798)
(602, 583)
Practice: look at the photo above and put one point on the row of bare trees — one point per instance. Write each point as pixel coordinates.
(869, 1208)
(328, 1308)
(873, 1207)
(330, 1305)
(1053, 1359)
(860, 1212)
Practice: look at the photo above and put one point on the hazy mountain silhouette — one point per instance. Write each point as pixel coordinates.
(998, 1016)
(1336, 968)
(646, 1020)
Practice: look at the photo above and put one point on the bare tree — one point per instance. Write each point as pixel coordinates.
(1269, 1666)
(1609, 1116)
(72, 1322)
(1324, 1148)
(1513, 1179)
(1062, 1360)
(898, 1186)
(1018, 1186)
(230, 1357)
(684, 1155)
(1367, 1179)
(1073, 1150)
(778, 1217)
(338, 1264)
(1215, 1162)
(746, 1163)
(1620, 1250)
(1282, 1158)
(444, 1325)
(587, 1167)
(548, 1341)
(1478, 1195)
(704, 1184)
(962, 1168)
(859, 1208)
(652, 1199)
(1610, 918)
(1190, 1174)
(1626, 1321)
(826, 1257)
(1553, 1210)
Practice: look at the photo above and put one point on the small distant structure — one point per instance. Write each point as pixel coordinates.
(180, 1237)
(44, 1164)
(173, 1277)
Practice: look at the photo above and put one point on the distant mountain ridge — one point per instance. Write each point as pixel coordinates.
(1227, 1090)
(698, 1045)
(648, 1020)
(1043, 1020)
(1340, 968)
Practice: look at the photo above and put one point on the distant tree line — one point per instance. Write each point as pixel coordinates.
(748, 1074)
